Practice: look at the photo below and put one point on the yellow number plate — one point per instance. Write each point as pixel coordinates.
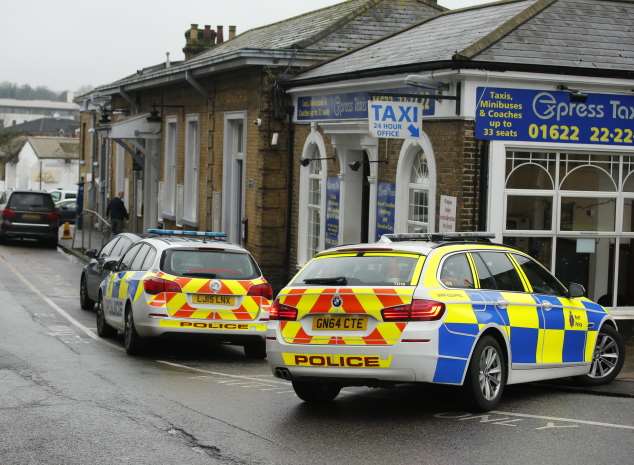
(31, 216)
(339, 323)
(212, 299)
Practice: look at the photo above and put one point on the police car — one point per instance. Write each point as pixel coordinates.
(185, 282)
(447, 309)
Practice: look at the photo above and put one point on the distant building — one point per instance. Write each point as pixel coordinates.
(44, 163)
(13, 112)
(54, 127)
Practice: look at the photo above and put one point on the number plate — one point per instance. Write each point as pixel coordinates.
(339, 323)
(212, 299)
(31, 216)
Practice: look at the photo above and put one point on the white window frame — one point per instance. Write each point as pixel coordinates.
(229, 178)
(169, 169)
(315, 139)
(406, 158)
(192, 168)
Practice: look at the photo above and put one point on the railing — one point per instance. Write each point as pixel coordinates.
(92, 231)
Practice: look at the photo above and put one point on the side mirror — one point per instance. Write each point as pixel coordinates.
(111, 266)
(576, 290)
(92, 253)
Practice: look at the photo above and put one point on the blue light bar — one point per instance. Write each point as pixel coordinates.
(178, 232)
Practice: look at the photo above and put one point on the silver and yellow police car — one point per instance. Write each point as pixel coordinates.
(430, 308)
(185, 282)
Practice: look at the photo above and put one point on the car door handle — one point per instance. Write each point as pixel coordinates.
(502, 303)
(547, 306)
(590, 325)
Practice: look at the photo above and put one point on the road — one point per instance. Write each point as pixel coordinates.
(67, 397)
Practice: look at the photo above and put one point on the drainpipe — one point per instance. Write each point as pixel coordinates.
(93, 190)
(289, 176)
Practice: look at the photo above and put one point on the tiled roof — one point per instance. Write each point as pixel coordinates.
(324, 32)
(55, 147)
(592, 34)
(43, 126)
(437, 39)
(576, 33)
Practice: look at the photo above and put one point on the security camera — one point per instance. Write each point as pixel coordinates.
(258, 122)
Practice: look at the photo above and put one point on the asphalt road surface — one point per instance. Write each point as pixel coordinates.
(67, 397)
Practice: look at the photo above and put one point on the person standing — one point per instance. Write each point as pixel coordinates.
(117, 212)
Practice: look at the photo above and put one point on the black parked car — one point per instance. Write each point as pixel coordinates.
(94, 271)
(67, 210)
(30, 215)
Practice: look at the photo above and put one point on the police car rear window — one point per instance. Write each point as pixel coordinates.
(211, 264)
(359, 270)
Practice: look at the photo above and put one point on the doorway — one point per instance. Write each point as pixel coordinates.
(356, 197)
(233, 218)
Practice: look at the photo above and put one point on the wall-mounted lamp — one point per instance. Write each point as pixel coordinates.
(575, 94)
(307, 161)
(155, 116)
(355, 165)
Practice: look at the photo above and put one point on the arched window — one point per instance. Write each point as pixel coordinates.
(315, 187)
(418, 188)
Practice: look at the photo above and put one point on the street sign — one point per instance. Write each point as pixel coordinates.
(395, 120)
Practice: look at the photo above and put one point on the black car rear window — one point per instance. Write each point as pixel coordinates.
(208, 263)
(31, 201)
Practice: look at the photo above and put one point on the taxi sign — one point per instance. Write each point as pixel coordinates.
(395, 120)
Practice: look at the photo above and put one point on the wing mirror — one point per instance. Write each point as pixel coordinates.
(111, 266)
(92, 253)
(576, 290)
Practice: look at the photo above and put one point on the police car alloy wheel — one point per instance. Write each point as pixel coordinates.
(103, 329)
(131, 340)
(316, 391)
(608, 359)
(486, 377)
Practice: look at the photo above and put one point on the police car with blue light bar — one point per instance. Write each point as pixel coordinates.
(185, 282)
(436, 308)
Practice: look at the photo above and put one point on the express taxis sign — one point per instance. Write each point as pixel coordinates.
(554, 116)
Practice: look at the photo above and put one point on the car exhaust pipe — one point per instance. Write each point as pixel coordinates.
(283, 373)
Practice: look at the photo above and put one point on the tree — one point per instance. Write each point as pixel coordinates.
(26, 92)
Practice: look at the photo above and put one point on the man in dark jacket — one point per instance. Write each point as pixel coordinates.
(117, 212)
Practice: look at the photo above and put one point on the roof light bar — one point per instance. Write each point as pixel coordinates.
(438, 237)
(175, 232)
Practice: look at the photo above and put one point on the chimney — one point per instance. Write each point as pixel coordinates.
(167, 60)
(220, 38)
(232, 32)
(193, 34)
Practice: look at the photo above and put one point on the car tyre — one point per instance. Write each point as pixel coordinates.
(486, 375)
(104, 330)
(255, 349)
(316, 391)
(132, 342)
(607, 360)
(86, 302)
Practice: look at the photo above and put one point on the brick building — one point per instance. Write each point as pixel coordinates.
(204, 143)
(527, 130)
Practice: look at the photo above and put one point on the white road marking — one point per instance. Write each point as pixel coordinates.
(565, 420)
(218, 373)
(56, 307)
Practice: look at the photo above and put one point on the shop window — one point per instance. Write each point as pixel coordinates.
(530, 176)
(588, 214)
(169, 168)
(456, 272)
(418, 214)
(540, 248)
(588, 178)
(192, 151)
(525, 213)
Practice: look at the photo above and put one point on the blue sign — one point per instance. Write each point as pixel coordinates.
(385, 206)
(554, 116)
(353, 105)
(332, 212)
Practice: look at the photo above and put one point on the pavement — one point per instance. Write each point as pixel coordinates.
(68, 397)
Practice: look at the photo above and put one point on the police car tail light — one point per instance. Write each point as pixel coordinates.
(418, 310)
(155, 286)
(263, 290)
(282, 312)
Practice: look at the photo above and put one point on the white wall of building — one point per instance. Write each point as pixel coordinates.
(54, 173)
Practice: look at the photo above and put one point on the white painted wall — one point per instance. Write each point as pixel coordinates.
(56, 174)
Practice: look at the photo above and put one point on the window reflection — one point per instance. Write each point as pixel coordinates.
(588, 214)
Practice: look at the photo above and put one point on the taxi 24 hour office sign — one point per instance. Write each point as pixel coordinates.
(554, 116)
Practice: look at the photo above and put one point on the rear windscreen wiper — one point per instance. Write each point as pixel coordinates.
(201, 275)
(341, 280)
